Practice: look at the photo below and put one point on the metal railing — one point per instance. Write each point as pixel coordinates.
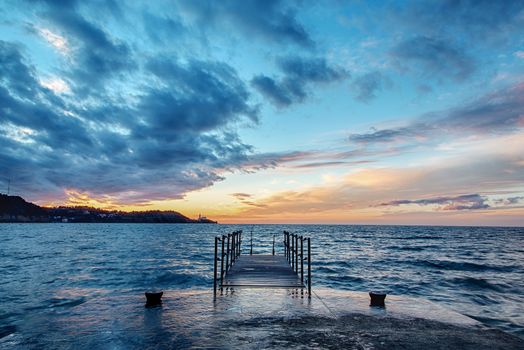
(231, 248)
(294, 252)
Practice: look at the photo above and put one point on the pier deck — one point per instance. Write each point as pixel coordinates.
(268, 271)
(292, 269)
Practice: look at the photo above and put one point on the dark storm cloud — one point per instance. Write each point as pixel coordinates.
(14, 73)
(434, 57)
(99, 55)
(495, 113)
(195, 89)
(366, 86)
(177, 136)
(273, 20)
(24, 103)
(298, 74)
(463, 202)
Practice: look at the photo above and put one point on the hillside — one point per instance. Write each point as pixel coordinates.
(16, 209)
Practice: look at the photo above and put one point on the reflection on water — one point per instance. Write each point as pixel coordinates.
(52, 269)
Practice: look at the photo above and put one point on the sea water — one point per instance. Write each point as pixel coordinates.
(477, 271)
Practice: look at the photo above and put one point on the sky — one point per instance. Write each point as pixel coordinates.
(267, 111)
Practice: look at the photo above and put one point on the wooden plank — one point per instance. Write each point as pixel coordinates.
(269, 271)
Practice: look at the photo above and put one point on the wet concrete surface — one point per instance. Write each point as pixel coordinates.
(254, 318)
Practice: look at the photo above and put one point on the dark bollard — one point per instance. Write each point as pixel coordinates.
(377, 299)
(153, 298)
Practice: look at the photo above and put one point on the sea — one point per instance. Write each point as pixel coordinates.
(477, 271)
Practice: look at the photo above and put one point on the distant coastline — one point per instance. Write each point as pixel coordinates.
(16, 209)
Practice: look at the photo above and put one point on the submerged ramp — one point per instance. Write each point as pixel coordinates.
(268, 271)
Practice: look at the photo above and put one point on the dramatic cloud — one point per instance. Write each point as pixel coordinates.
(273, 20)
(298, 74)
(435, 58)
(463, 202)
(15, 74)
(495, 113)
(177, 134)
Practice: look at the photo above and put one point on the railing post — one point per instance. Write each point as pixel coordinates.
(251, 251)
(233, 248)
(227, 252)
(292, 252)
(215, 268)
(273, 244)
(284, 241)
(285, 247)
(296, 254)
(222, 263)
(288, 248)
(309, 267)
(302, 259)
(236, 245)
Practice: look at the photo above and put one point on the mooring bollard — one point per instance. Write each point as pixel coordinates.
(377, 299)
(153, 298)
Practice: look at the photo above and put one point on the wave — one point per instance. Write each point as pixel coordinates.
(477, 283)
(177, 280)
(65, 302)
(462, 266)
(7, 330)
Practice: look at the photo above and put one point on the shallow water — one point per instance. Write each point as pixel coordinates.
(57, 267)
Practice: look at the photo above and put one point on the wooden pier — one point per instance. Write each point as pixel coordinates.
(233, 269)
(268, 271)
